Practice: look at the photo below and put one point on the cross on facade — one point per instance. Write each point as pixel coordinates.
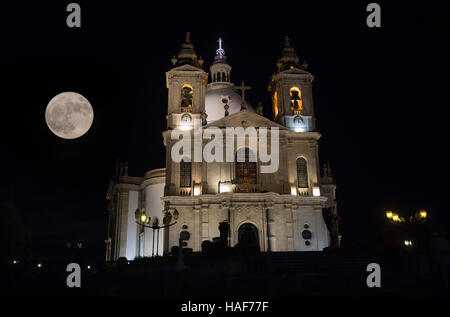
(243, 88)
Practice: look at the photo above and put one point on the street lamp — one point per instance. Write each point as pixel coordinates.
(419, 217)
(394, 217)
(143, 220)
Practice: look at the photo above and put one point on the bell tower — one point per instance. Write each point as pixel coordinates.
(186, 83)
(291, 88)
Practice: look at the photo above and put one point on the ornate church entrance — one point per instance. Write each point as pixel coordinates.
(248, 236)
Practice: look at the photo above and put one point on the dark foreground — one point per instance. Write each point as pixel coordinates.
(333, 273)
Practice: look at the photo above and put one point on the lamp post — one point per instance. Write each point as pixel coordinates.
(143, 220)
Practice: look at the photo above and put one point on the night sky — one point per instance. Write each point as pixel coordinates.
(380, 100)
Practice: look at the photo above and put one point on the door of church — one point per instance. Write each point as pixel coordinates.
(248, 236)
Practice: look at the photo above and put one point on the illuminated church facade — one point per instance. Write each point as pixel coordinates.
(279, 211)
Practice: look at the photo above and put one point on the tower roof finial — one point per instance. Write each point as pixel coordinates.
(187, 54)
(287, 43)
(288, 57)
(220, 51)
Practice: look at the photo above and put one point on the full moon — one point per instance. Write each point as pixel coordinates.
(69, 115)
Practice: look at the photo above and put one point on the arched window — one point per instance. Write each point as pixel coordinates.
(245, 166)
(187, 97)
(296, 100)
(218, 76)
(223, 77)
(185, 172)
(302, 173)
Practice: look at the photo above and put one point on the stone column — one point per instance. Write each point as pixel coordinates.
(290, 228)
(204, 218)
(123, 224)
(197, 229)
(271, 230)
(233, 238)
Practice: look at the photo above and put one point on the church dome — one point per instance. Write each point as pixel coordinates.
(214, 102)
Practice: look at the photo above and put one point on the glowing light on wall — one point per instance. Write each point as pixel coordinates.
(293, 191)
(316, 191)
(298, 129)
(196, 189)
(408, 243)
(186, 122)
(225, 187)
(185, 127)
(389, 214)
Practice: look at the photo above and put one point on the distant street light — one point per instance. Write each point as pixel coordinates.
(408, 243)
(419, 217)
(412, 227)
(422, 214)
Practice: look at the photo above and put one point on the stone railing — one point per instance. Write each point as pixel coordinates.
(185, 191)
(303, 192)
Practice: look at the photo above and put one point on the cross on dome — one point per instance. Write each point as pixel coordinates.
(220, 52)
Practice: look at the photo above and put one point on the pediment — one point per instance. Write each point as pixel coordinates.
(186, 67)
(245, 118)
(296, 71)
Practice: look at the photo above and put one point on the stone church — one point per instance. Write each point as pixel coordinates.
(280, 211)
